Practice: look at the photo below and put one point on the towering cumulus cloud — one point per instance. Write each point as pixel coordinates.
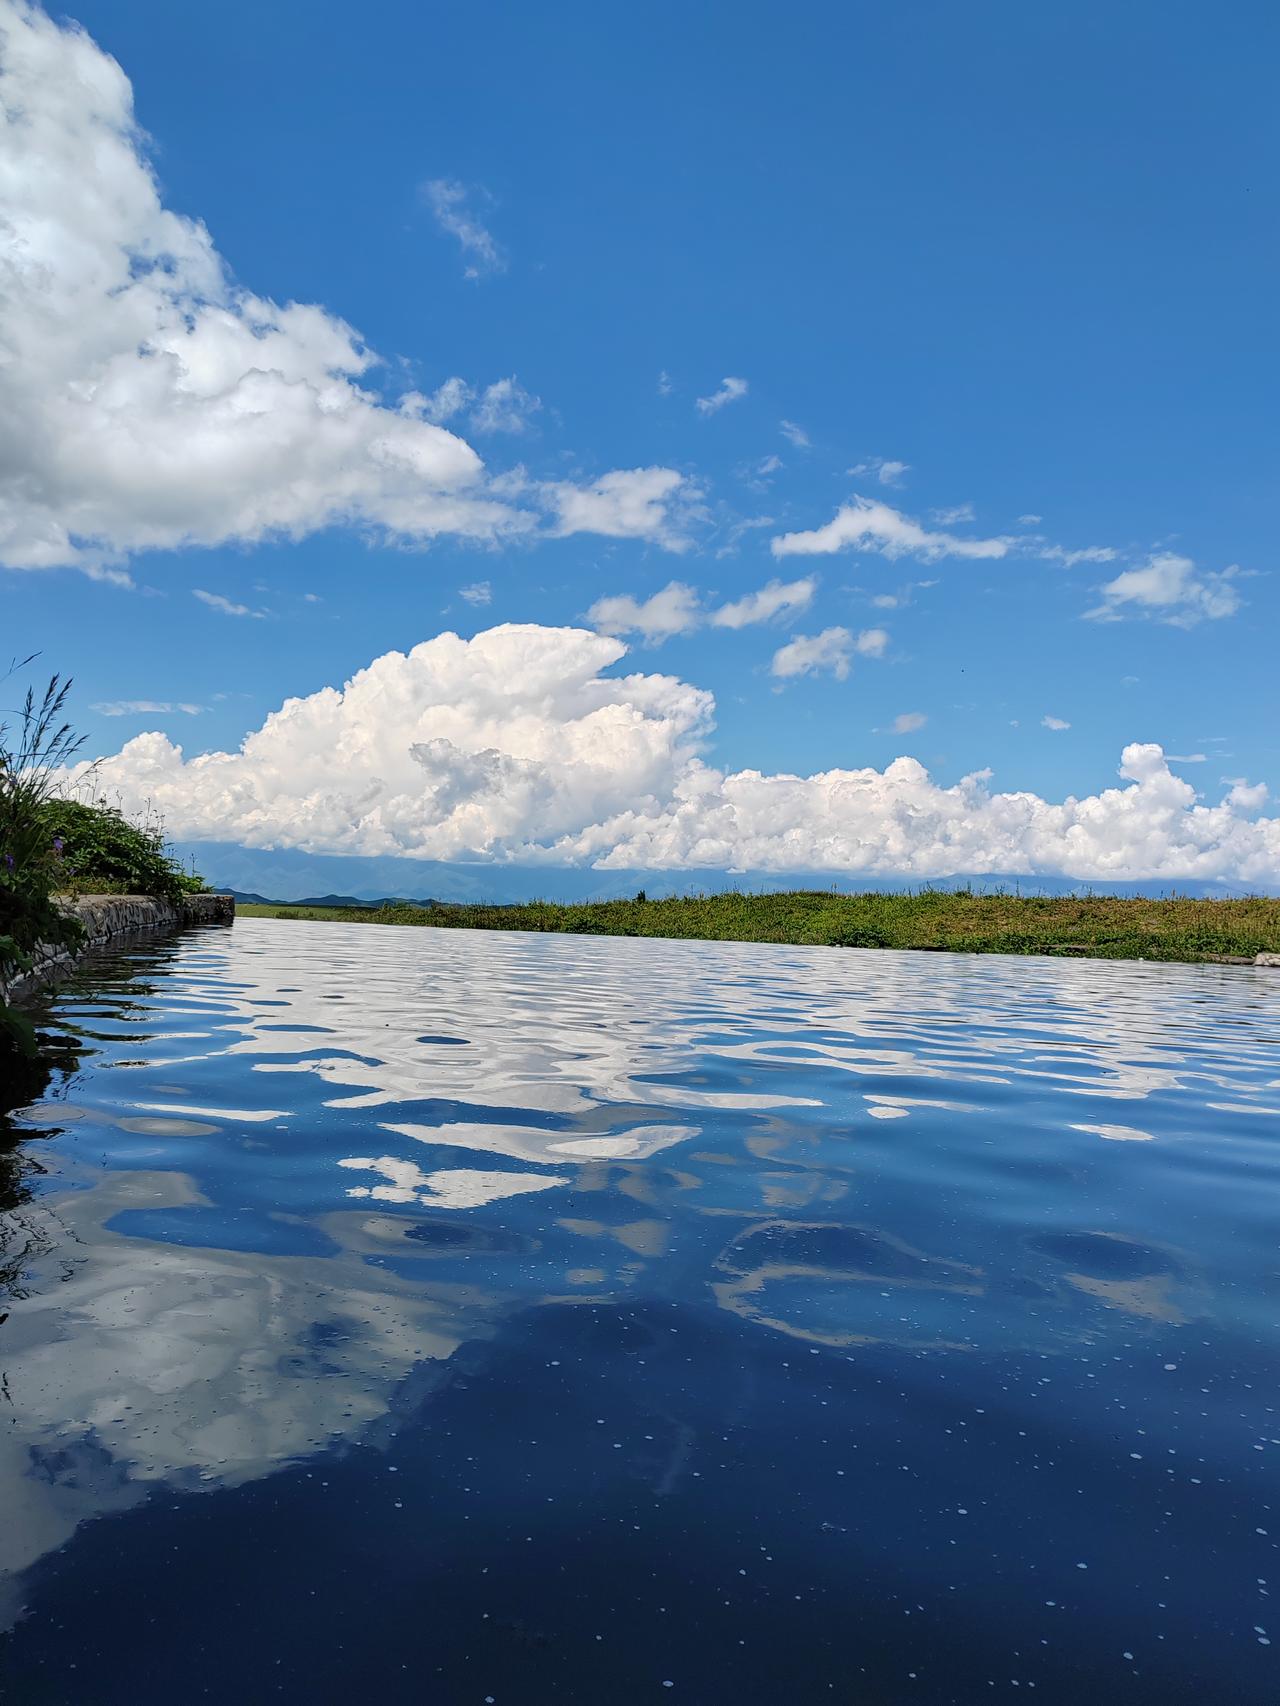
(145, 400)
(149, 401)
(516, 745)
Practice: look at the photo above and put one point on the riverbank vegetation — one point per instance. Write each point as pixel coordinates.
(53, 848)
(961, 921)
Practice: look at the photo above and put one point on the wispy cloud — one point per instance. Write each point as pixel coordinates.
(442, 405)
(747, 524)
(1055, 723)
(730, 391)
(759, 475)
(887, 471)
(504, 406)
(479, 592)
(1069, 559)
(665, 384)
(216, 601)
(901, 597)
(949, 517)
(794, 434)
(907, 722)
(450, 202)
(143, 707)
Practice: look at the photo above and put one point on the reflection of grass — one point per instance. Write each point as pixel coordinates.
(1099, 926)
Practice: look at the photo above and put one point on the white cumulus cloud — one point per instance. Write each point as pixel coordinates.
(778, 598)
(679, 609)
(814, 654)
(1171, 589)
(673, 610)
(868, 525)
(629, 503)
(149, 401)
(460, 747)
(522, 744)
(1247, 798)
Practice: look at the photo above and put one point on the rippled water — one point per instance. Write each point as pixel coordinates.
(408, 1315)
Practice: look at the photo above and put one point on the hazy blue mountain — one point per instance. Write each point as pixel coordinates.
(292, 876)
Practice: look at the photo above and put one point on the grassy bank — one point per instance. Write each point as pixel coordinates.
(1101, 927)
(51, 849)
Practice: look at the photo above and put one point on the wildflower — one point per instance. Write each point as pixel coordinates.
(58, 845)
(9, 861)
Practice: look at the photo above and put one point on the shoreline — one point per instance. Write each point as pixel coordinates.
(110, 918)
(1173, 930)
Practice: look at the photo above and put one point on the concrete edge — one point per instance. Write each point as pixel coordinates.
(107, 917)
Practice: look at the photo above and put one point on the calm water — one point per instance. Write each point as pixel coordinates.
(400, 1315)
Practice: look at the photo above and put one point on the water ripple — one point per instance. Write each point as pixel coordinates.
(1019, 1213)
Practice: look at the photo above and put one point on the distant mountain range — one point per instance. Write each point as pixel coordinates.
(261, 877)
(251, 899)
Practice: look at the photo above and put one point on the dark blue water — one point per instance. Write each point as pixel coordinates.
(402, 1315)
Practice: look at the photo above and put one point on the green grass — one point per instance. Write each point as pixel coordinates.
(1098, 926)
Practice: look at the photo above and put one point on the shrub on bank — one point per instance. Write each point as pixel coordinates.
(51, 847)
(103, 853)
(30, 856)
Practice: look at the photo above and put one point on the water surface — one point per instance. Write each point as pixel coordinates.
(407, 1315)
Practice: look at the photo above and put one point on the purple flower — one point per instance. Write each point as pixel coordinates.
(9, 860)
(58, 845)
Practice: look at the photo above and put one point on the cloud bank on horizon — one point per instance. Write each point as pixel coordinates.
(515, 745)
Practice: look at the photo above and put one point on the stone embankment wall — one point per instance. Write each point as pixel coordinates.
(107, 917)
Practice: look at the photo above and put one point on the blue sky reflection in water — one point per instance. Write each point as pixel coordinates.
(408, 1315)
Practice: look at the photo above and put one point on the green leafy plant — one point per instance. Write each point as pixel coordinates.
(52, 846)
(33, 746)
(104, 853)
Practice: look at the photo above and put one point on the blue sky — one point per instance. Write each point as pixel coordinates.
(1026, 253)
